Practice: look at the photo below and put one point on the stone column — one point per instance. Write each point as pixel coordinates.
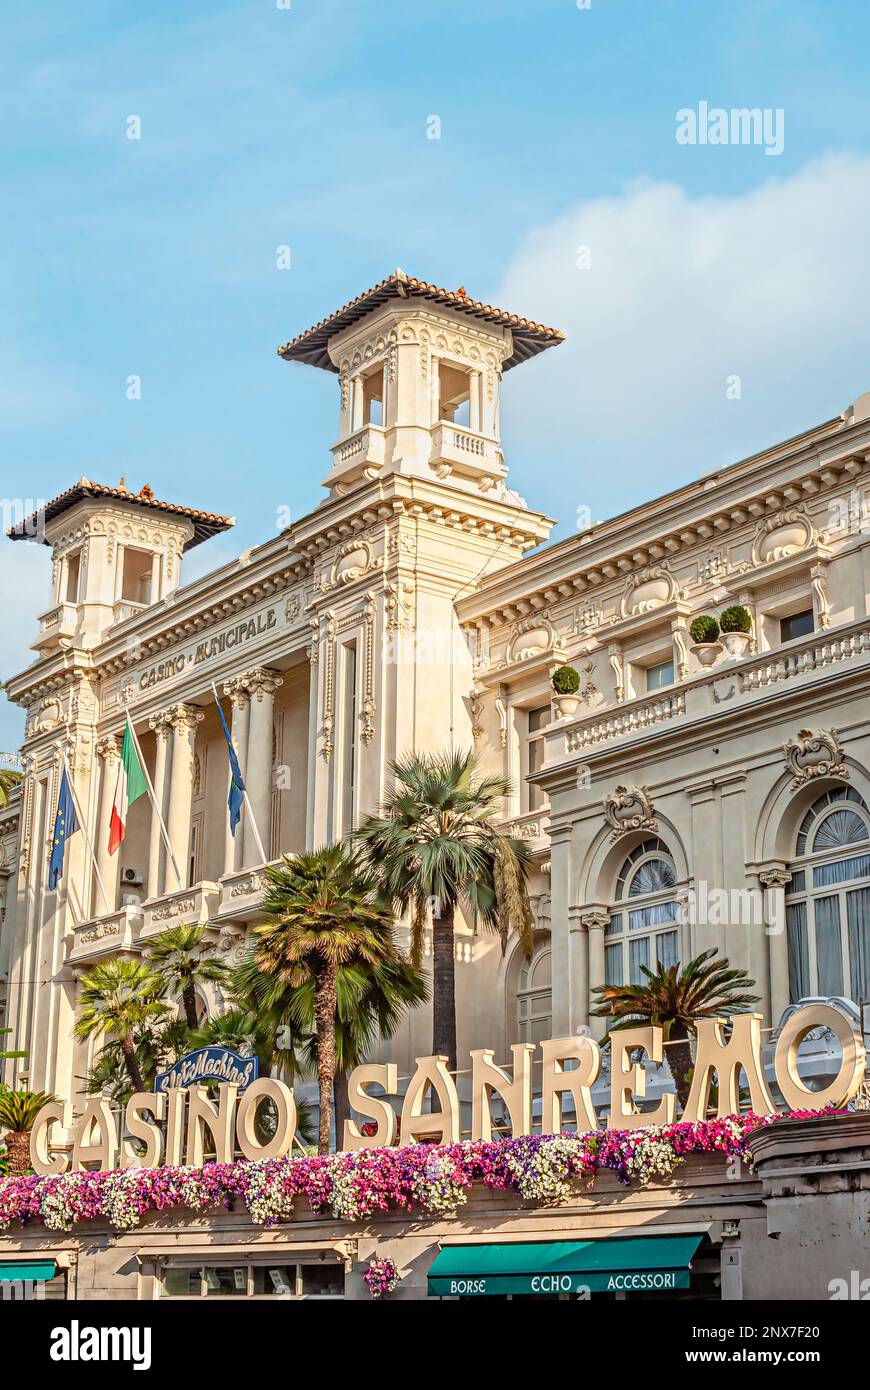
(108, 864)
(775, 881)
(183, 720)
(474, 401)
(561, 990)
(595, 921)
(162, 728)
(261, 686)
(239, 721)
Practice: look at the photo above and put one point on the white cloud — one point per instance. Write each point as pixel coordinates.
(682, 292)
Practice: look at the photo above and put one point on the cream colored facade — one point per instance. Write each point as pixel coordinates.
(405, 611)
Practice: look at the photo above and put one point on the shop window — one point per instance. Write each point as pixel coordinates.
(827, 902)
(796, 625)
(644, 924)
(246, 1279)
(660, 675)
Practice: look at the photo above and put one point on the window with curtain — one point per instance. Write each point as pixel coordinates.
(827, 902)
(644, 922)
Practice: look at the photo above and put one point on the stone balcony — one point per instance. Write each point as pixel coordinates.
(532, 827)
(56, 626)
(242, 892)
(184, 908)
(126, 608)
(101, 937)
(463, 452)
(721, 689)
(360, 455)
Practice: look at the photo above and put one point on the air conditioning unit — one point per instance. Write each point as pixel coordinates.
(132, 878)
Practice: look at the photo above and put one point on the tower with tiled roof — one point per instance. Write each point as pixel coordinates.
(420, 371)
(114, 552)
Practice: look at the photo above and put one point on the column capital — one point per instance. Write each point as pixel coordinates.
(107, 748)
(161, 724)
(776, 877)
(260, 681)
(594, 919)
(183, 716)
(235, 689)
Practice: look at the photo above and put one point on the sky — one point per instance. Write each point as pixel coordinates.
(714, 294)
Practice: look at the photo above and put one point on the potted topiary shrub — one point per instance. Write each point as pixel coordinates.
(566, 683)
(736, 625)
(704, 632)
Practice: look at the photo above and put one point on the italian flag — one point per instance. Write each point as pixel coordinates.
(129, 787)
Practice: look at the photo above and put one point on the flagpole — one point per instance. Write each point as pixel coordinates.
(154, 802)
(84, 829)
(246, 798)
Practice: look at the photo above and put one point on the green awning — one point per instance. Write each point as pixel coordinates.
(34, 1271)
(623, 1265)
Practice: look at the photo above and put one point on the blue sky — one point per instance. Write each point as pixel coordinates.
(263, 126)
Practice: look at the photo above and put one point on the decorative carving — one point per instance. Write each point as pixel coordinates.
(652, 587)
(596, 920)
(367, 732)
(531, 637)
(774, 878)
(617, 666)
(681, 649)
(819, 579)
(475, 705)
(107, 748)
(815, 753)
(501, 711)
(783, 534)
(629, 808)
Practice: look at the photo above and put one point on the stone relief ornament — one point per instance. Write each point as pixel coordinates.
(815, 753)
(629, 808)
(652, 587)
(531, 637)
(783, 534)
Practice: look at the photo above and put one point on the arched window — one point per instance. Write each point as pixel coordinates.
(534, 994)
(643, 923)
(827, 902)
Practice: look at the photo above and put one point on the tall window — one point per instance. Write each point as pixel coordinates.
(348, 736)
(643, 927)
(538, 720)
(534, 995)
(73, 574)
(827, 902)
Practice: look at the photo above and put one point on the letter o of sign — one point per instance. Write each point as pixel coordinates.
(795, 1094)
(266, 1088)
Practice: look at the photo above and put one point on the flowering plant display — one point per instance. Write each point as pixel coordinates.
(432, 1179)
(382, 1276)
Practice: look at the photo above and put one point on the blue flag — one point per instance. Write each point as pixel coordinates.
(65, 824)
(237, 785)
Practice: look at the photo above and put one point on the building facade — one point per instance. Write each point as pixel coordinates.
(696, 796)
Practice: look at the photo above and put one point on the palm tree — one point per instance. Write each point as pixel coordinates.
(434, 845)
(18, 1112)
(119, 998)
(673, 999)
(183, 958)
(155, 1048)
(371, 1001)
(9, 780)
(322, 911)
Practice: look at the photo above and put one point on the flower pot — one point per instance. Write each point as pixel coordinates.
(736, 643)
(707, 652)
(565, 705)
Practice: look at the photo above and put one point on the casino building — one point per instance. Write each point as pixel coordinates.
(692, 796)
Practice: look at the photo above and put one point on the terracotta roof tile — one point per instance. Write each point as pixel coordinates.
(205, 523)
(529, 337)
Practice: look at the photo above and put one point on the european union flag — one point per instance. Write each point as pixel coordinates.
(65, 824)
(237, 785)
